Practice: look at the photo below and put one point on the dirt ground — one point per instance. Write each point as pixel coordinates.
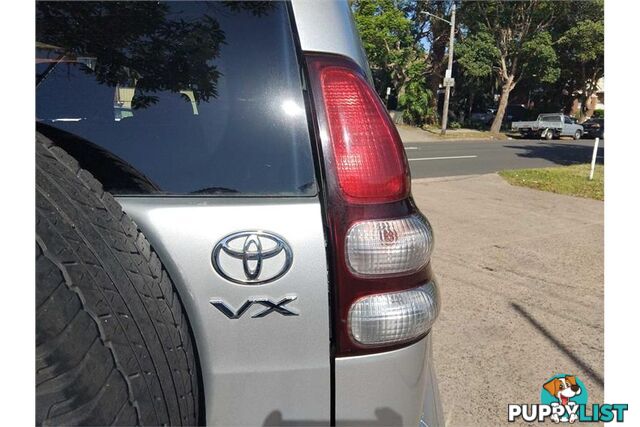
(521, 275)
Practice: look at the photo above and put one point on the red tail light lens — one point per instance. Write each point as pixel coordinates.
(383, 291)
(368, 153)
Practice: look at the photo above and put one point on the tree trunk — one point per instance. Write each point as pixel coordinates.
(502, 106)
(575, 107)
(401, 90)
(590, 107)
(433, 82)
(438, 64)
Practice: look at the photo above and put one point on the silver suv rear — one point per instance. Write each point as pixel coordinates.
(225, 230)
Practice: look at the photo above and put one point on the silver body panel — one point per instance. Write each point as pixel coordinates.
(254, 369)
(328, 27)
(394, 388)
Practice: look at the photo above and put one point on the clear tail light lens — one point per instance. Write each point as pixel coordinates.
(389, 247)
(394, 317)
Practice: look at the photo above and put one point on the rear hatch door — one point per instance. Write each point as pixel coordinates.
(193, 114)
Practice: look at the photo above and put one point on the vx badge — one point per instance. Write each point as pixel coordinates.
(270, 307)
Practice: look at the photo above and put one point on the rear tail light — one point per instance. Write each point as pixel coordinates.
(385, 295)
(389, 246)
(394, 317)
(369, 162)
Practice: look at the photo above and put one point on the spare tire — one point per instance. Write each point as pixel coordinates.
(113, 345)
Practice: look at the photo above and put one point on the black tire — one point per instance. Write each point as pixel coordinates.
(577, 135)
(548, 134)
(113, 345)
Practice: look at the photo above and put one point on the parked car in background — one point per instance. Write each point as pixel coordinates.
(514, 112)
(511, 113)
(594, 128)
(225, 232)
(483, 117)
(549, 126)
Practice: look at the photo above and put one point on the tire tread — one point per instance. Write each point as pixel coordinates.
(117, 288)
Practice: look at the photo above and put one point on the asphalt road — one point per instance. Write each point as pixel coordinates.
(453, 158)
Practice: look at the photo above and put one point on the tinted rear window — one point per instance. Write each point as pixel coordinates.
(176, 97)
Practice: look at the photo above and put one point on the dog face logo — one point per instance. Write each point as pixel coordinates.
(564, 393)
(563, 388)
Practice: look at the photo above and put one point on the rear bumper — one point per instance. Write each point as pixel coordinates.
(395, 388)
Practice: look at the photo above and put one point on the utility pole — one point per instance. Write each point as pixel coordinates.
(448, 81)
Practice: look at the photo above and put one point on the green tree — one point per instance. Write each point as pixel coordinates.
(429, 30)
(581, 43)
(399, 36)
(476, 54)
(388, 41)
(510, 39)
(416, 101)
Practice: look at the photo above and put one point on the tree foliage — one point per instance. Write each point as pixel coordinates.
(431, 31)
(581, 41)
(514, 37)
(387, 39)
(416, 99)
(477, 54)
(540, 53)
(399, 36)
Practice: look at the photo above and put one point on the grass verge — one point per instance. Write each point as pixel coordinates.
(571, 180)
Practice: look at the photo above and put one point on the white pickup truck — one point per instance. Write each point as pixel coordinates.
(549, 126)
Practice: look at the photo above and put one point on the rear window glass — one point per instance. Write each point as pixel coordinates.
(176, 97)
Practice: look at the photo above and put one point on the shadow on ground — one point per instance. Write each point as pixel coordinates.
(560, 154)
(559, 345)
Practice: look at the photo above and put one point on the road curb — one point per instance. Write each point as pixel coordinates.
(429, 141)
(449, 178)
